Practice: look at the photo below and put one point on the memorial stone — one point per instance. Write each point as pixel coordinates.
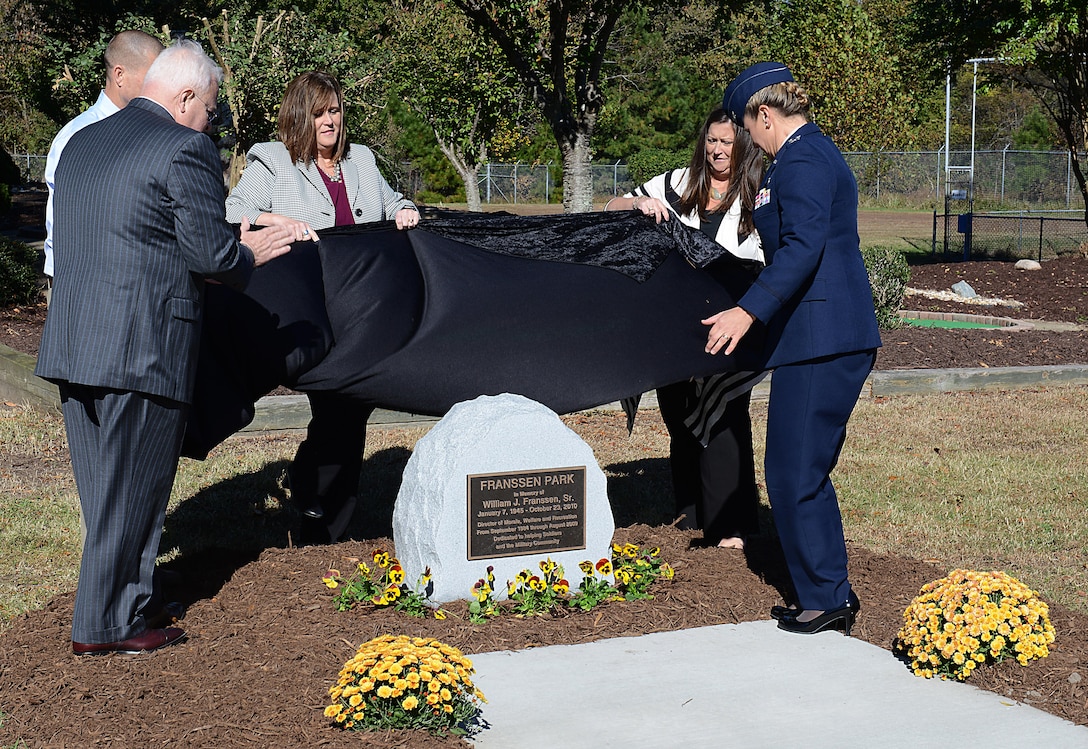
(500, 481)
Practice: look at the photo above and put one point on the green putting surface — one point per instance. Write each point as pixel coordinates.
(917, 323)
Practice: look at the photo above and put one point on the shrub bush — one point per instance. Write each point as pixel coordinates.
(888, 275)
(19, 278)
(650, 162)
(5, 199)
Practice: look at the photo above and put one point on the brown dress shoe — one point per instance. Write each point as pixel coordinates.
(145, 642)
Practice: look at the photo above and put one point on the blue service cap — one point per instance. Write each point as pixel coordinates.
(752, 79)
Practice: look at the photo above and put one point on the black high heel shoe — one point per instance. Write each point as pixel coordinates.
(777, 612)
(844, 615)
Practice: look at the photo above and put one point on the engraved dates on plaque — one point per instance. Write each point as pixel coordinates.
(526, 513)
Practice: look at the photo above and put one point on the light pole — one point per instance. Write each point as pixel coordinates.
(964, 225)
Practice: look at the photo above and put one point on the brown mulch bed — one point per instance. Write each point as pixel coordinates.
(1057, 293)
(266, 643)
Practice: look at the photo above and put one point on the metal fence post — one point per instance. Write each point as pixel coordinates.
(1041, 222)
(878, 161)
(1068, 183)
(1003, 152)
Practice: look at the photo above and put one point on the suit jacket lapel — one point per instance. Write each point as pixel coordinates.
(351, 180)
(312, 173)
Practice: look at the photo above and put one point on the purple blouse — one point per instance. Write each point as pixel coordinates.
(339, 195)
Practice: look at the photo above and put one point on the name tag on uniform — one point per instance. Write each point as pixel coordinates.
(763, 197)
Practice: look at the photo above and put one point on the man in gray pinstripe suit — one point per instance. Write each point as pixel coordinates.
(138, 228)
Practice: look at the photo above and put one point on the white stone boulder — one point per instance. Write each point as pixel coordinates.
(503, 434)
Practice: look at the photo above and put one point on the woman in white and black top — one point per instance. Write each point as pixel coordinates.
(714, 485)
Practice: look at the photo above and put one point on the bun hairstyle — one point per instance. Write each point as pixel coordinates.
(787, 97)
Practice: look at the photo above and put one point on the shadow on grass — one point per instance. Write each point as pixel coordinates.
(641, 492)
(229, 524)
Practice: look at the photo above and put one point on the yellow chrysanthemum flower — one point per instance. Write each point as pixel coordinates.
(967, 618)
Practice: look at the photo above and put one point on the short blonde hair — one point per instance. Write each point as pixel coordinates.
(131, 49)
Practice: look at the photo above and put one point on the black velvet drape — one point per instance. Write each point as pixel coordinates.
(571, 311)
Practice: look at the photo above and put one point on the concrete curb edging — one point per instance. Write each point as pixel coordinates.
(18, 384)
(890, 382)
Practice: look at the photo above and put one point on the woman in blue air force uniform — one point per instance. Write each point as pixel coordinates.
(816, 304)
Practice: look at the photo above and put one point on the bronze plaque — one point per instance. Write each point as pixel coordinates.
(530, 512)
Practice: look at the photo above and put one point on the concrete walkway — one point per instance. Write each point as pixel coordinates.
(742, 685)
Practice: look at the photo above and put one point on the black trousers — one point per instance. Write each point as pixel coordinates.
(324, 476)
(714, 487)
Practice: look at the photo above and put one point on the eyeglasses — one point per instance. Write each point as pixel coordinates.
(213, 114)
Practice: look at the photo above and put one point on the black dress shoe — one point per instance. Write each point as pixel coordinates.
(168, 614)
(145, 642)
(844, 615)
(311, 508)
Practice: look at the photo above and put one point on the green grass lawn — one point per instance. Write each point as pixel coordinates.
(991, 480)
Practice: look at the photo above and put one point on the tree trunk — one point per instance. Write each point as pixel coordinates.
(237, 164)
(577, 172)
(469, 173)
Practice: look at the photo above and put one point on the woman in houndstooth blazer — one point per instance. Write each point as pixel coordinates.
(309, 180)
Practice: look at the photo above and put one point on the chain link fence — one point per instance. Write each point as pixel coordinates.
(1032, 179)
(1007, 177)
(31, 166)
(536, 183)
(1027, 179)
(1010, 235)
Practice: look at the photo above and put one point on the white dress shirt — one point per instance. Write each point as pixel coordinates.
(100, 110)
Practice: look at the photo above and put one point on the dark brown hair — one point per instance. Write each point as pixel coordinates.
(306, 97)
(746, 172)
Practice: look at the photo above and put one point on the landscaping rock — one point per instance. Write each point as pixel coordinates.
(964, 289)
